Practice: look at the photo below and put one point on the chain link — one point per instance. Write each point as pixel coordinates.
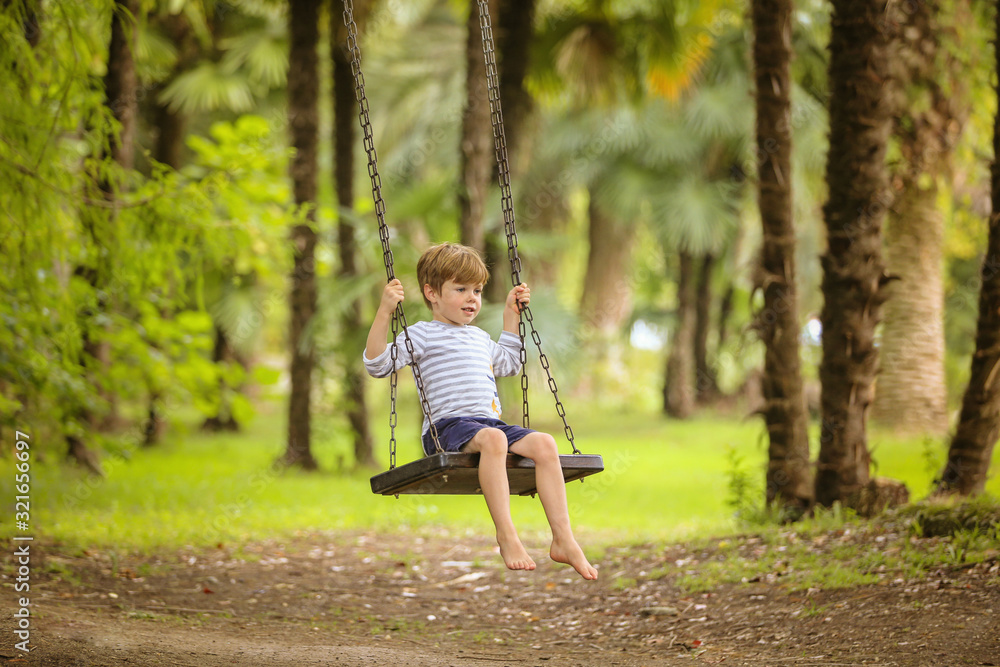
(510, 230)
(398, 317)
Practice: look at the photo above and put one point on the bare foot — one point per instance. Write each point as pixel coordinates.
(569, 552)
(514, 555)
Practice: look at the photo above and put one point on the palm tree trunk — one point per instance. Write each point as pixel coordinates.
(223, 420)
(120, 82)
(678, 386)
(853, 270)
(171, 128)
(303, 120)
(789, 477)
(979, 422)
(476, 143)
(120, 91)
(514, 36)
(171, 124)
(343, 155)
(706, 383)
(607, 296)
(726, 302)
(911, 394)
(606, 300)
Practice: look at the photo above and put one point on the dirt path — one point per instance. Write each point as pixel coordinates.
(367, 599)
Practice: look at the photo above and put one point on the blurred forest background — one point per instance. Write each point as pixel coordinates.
(794, 225)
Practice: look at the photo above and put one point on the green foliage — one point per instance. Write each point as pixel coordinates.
(246, 56)
(131, 274)
(975, 517)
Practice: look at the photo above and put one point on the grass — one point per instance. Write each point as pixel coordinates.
(663, 481)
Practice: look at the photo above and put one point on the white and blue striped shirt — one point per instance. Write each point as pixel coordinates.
(458, 364)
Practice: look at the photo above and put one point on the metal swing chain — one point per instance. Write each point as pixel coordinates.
(398, 317)
(507, 204)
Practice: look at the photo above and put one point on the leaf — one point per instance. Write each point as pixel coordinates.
(262, 53)
(265, 375)
(208, 87)
(193, 321)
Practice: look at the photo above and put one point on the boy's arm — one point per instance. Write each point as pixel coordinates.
(392, 295)
(511, 312)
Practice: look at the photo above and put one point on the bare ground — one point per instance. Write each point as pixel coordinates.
(438, 599)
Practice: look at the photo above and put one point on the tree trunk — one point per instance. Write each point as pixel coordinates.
(120, 82)
(605, 302)
(514, 36)
(678, 387)
(512, 22)
(29, 19)
(853, 270)
(515, 33)
(171, 125)
(222, 352)
(911, 394)
(120, 96)
(303, 120)
(343, 155)
(169, 150)
(706, 384)
(607, 296)
(476, 143)
(726, 302)
(79, 452)
(979, 422)
(789, 477)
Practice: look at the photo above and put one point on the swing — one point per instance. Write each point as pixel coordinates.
(457, 472)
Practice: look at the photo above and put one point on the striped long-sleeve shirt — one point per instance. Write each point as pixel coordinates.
(459, 366)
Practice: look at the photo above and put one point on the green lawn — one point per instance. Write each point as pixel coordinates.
(663, 480)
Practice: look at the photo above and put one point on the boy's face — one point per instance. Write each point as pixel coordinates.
(456, 303)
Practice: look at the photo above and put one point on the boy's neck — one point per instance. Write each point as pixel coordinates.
(438, 318)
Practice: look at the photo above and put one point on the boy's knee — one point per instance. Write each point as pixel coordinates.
(545, 446)
(492, 441)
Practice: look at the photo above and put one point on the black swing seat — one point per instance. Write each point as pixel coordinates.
(458, 474)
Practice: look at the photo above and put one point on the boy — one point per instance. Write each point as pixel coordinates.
(458, 363)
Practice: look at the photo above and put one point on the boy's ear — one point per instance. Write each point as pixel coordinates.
(429, 293)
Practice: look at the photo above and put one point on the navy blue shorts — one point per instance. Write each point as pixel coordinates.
(455, 432)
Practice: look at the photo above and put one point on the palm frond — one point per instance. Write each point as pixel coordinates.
(237, 313)
(156, 55)
(668, 142)
(264, 54)
(720, 111)
(809, 132)
(265, 9)
(696, 215)
(208, 87)
(590, 57)
(625, 190)
(419, 69)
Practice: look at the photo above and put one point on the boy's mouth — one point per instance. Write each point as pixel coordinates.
(470, 310)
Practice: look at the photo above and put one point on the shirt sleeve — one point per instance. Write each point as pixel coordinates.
(506, 355)
(381, 366)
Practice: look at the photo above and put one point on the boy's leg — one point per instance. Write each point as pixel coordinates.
(491, 444)
(541, 448)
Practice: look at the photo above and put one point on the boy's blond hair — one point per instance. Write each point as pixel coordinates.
(450, 261)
